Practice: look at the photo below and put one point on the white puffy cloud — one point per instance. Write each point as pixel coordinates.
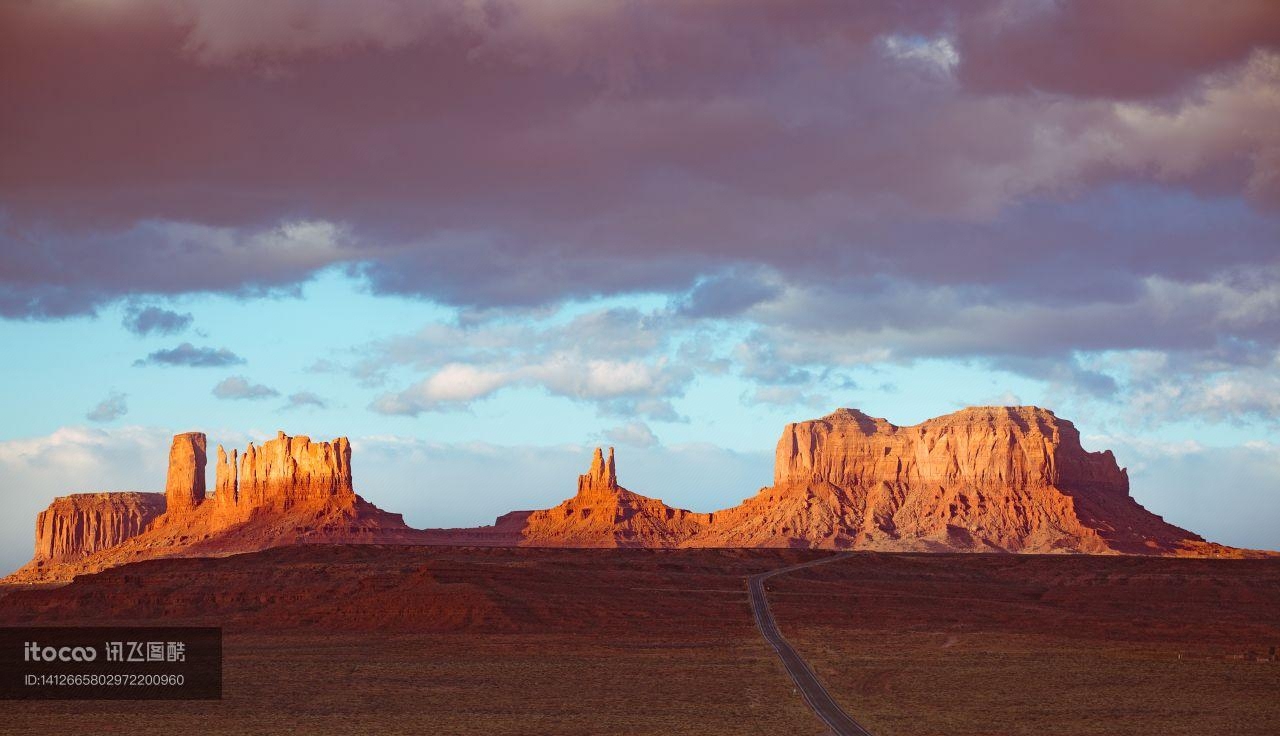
(71, 460)
(1229, 495)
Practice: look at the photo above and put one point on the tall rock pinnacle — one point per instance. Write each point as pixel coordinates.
(285, 491)
(604, 514)
(184, 487)
(603, 475)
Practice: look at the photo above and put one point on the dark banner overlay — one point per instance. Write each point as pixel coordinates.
(110, 663)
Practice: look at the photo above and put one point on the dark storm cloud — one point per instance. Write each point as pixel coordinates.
(1038, 166)
(727, 295)
(1136, 48)
(187, 354)
(155, 321)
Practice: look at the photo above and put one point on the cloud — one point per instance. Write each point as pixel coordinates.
(886, 319)
(71, 460)
(1143, 48)
(1028, 187)
(1165, 388)
(1228, 494)
(818, 141)
(109, 409)
(624, 361)
(155, 321)
(782, 396)
(239, 387)
(454, 386)
(634, 434)
(727, 295)
(306, 399)
(617, 387)
(187, 354)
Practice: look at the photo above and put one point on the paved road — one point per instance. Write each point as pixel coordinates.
(811, 688)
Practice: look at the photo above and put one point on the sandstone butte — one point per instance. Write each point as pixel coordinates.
(984, 479)
(288, 491)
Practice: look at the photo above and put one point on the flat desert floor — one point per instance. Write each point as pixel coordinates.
(374, 639)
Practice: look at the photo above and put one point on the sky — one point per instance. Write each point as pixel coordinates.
(480, 237)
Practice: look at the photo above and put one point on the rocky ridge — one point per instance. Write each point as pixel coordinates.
(290, 490)
(983, 479)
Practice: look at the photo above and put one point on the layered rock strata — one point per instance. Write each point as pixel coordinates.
(984, 479)
(76, 526)
(1012, 479)
(290, 490)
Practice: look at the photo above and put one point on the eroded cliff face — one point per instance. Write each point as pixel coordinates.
(982, 479)
(285, 474)
(76, 526)
(1010, 479)
(604, 514)
(287, 491)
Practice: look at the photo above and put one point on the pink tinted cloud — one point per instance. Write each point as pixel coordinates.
(517, 153)
(1101, 48)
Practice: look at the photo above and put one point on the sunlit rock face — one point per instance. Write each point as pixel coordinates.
(76, 526)
(184, 484)
(982, 479)
(604, 514)
(290, 490)
(283, 474)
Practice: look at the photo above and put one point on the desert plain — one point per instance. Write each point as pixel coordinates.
(394, 639)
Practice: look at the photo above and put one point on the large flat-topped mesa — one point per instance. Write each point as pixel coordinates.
(989, 478)
(78, 525)
(1005, 446)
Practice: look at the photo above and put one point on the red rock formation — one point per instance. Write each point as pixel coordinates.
(284, 474)
(604, 514)
(226, 482)
(294, 471)
(291, 490)
(1012, 479)
(601, 477)
(78, 525)
(184, 487)
(983, 479)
